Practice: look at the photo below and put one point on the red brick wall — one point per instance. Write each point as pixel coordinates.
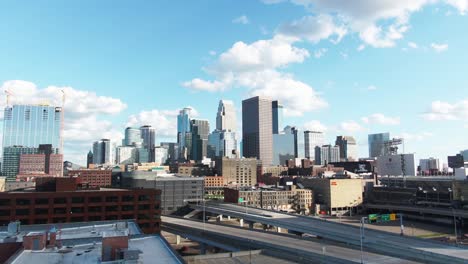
(231, 195)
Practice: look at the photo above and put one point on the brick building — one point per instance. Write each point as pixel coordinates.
(58, 200)
(93, 177)
(214, 186)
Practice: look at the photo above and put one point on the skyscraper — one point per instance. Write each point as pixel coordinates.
(285, 146)
(312, 139)
(132, 136)
(103, 152)
(376, 144)
(226, 116)
(89, 159)
(222, 142)
(200, 130)
(277, 114)
(32, 125)
(126, 155)
(348, 148)
(27, 127)
(148, 136)
(326, 154)
(183, 128)
(257, 129)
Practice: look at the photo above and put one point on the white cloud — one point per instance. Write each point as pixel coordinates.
(83, 113)
(412, 45)
(313, 29)
(256, 67)
(381, 119)
(315, 125)
(241, 20)
(212, 53)
(415, 136)
(361, 47)
(320, 52)
(164, 121)
(371, 88)
(461, 5)
(447, 111)
(202, 85)
(379, 24)
(350, 126)
(439, 47)
(344, 55)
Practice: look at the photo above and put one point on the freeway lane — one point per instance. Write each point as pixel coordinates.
(284, 243)
(384, 242)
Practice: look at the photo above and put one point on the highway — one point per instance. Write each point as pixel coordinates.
(386, 243)
(419, 209)
(315, 251)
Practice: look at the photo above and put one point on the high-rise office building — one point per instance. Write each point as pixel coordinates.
(285, 146)
(126, 155)
(326, 154)
(348, 148)
(103, 152)
(160, 155)
(464, 153)
(27, 127)
(222, 144)
(200, 130)
(132, 136)
(172, 151)
(183, 129)
(89, 159)
(277, 115)
(226, 116)
(377, 144)
(31, 125)
(148, 136)
(312, 139)
(257, 129)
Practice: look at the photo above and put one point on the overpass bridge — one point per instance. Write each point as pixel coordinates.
(289, 247)
(426, 251)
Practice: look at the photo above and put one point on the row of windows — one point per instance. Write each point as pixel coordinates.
(63, 200)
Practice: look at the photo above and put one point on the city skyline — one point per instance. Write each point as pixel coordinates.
(335, 76)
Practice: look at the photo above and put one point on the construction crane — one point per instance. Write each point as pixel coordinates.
(8, 95)
(62, 125)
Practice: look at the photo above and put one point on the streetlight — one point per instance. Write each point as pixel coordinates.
(455, 226)
(362, 236)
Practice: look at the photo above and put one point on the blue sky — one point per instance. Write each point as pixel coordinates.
(352, 69)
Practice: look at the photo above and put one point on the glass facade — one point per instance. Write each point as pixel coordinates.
(132, 136)
(283, 148)
(31, 125)
(183, 129)
(257, 129)
(376, 144)
(312, 139)
(222, 144)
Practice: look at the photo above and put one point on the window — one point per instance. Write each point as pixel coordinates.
(23, 201)
(41, 211)
(41, 201)
(143, 197)
(22, 211)
(60, 200)
(77, 199)
(127, 198)
(95, 199)
(94, 209)
(60, 210)
(127, 207)
(112, 199)
(4, 202)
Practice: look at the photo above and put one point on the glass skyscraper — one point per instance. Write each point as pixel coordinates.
(25, 127)
(31, 125)
(183, 129)
(257, 129)
(376, 144)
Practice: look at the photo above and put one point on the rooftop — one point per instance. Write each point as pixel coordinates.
(150, 248)
(68, 231)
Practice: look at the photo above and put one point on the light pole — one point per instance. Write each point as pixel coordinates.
(362, 237)
(455, 226)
